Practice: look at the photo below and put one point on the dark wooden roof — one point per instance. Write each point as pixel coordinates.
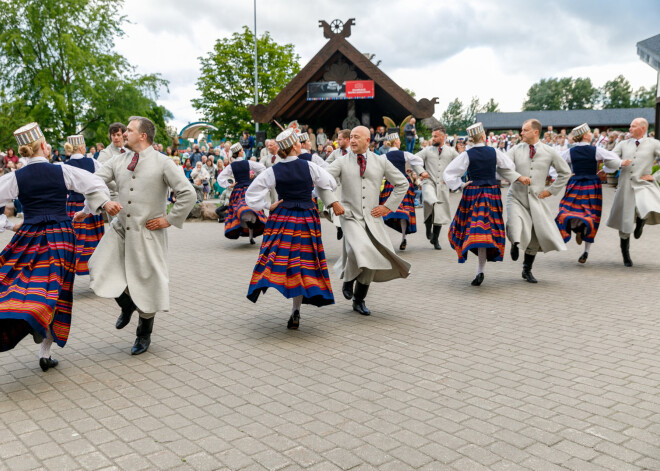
(390, 99)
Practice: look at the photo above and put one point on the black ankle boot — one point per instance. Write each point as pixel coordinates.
(143, 332)
(128, 307)
(429, 227)
(515, 251)
(358, 299)
(436, 236)
(639, 227)
(347, 289)
(625, 251)
(527, 268)
(46, 363)
(294, 320)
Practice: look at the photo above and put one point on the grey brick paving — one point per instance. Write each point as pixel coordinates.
(562, 375)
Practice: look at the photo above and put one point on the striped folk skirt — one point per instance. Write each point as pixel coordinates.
(37, 270)
(292, 259)
(88, 234)
(237, 208)
(406, 209)
(583, 201)
(478, 223)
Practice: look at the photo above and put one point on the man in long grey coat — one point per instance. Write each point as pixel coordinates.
(116, 134)
(367, 252)
(130, 262)
(435, 192)
(343, 141)
(637, 198)
(530, 223)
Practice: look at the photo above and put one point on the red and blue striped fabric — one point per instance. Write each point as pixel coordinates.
(583, 200)
(478, 223)
(237, 207)
(406, 209)
(292, 259)
(37, 270)
(88, 234)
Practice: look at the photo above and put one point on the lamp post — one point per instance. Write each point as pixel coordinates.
(256, 80)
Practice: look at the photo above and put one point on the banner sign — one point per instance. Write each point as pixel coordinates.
(349, 90)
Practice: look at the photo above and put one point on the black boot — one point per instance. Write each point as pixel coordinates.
(294, 320)
(429, 227)
(47, 363)
(625, 251)
(143, 332)
(340, 233)
(347, 289)
(128, 307)
(436, 236)
(358, 300)
(639, 227)
(583, 257)
(515, 251)
(527, 268)
(478, 279)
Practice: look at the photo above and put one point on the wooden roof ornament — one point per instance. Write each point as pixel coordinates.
(338, 58)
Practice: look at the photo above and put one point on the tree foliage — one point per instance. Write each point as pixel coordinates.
(59, 68)
(226, 83)
(456, 118)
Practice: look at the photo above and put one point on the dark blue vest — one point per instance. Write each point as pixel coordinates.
(306, 156)
(241, 170)
(398, 159)
(294, 184)
(86, 164)
(583, 161)
(483, 166)
(42, 192)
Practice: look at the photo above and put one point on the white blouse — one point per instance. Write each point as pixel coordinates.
(457, 167)
(227, 173)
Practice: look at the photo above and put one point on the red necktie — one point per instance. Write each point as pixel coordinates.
(272, 159)
(123, 151)
(532, 152)
(637, 143)
(134, 162)
(362, 162)
(343, 152)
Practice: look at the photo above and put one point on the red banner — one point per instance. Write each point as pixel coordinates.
(359, 89)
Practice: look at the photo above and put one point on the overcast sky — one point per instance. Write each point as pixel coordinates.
(438, 48)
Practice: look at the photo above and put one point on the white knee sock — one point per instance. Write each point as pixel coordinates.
(404, 227)
(481, 251)
(587, 246)
(44, 351)
(297, 303)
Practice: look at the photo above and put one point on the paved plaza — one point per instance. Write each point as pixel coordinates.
(562, 375)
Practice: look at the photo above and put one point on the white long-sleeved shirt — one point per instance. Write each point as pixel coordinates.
(97, 164)
(227, 173)
(257, 194)
(609, 158)
(75, 179)
(457, 167)
(411, 159)
(316, 158)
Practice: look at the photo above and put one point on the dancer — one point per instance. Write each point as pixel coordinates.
(530, 223)
(403, 219)
(306, 151)
(241, 221)
(637, 198)
(580, 208)
(435, 193)
(116, 134)
(478, 226)
(270, 159)
(291, 259)
(90, 230)
(130, 262)
(367, 253)
(343, 143)
(37, 268)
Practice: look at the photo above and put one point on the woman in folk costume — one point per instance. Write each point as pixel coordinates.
(292, 258)
(580, 208)
(478, 226)
(91, 229)
(37, 268)
(403, 219)
(241, 221)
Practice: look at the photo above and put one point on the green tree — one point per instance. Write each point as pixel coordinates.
(491, 106)
(644, 98)
(456, 118)
(57, 56)
(561, 94)
(616, 93)
(452, 117)
(226, 83)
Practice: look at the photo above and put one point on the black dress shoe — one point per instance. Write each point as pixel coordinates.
(294, 320)
(403, 245)
(515, 252)
(478, 279)
(252, 242)
(340, 233)
(347, 289)
(47, 363)
(527, 275)
(583, 257)
(143, 339)
(361, 307)
(123, 319)
(639, 227)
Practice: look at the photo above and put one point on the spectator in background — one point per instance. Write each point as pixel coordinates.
(321, 138)
(196, 156)
(335, 135)
(99, 148)
(410, 132)
(11, 157)
(92, 152)
(187, 169)
(244, 141)
(329, 149)
(55, 156)
(312, 138)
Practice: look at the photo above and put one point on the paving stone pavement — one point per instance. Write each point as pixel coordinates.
(562, 375)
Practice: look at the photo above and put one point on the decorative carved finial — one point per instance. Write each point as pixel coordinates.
(336, 28)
